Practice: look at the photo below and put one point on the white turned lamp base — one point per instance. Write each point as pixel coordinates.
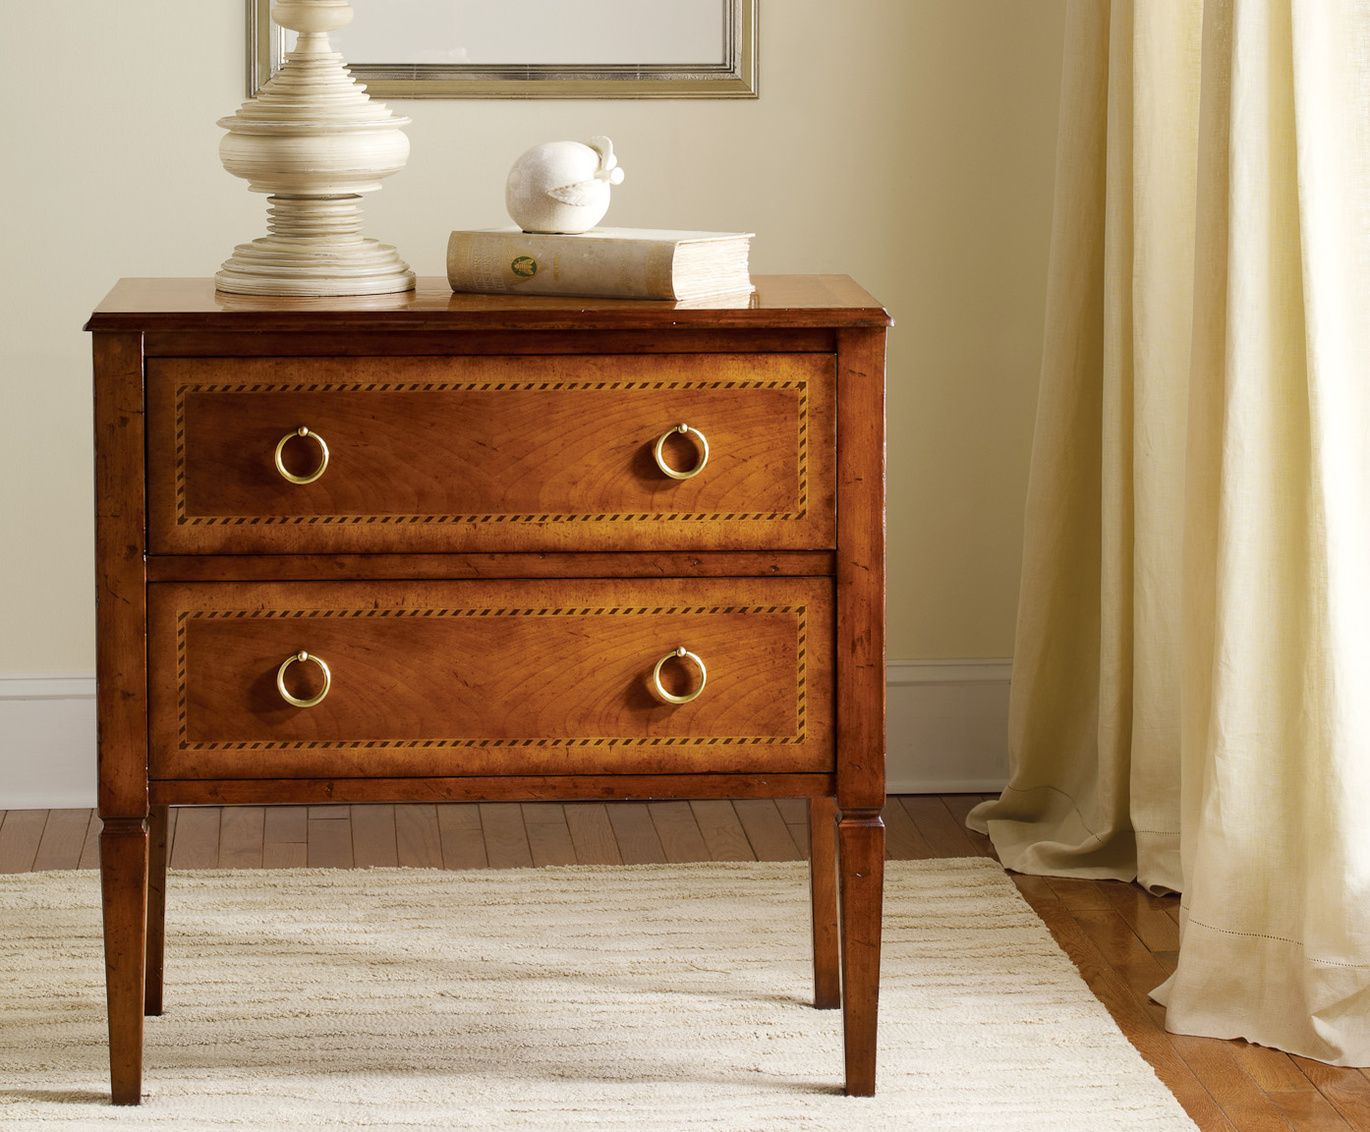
(316, 141)
(315, 248)
(277, 267)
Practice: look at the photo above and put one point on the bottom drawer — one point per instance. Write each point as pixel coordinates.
(481, 678)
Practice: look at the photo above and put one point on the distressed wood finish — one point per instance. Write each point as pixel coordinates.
(121, 697)
(123, 883)
(490, 454)
(781, 302)
(372, 344)
(120, 577)
(159, 846)
(827, 976)
(492, 564)
(861, 568)
(861, 688)
(506, 788)
(421, 567)
(441, 679)
(861, 846)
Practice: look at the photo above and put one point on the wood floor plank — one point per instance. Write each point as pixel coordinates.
(459, 815)
(285, 837)
(592, 834)
(195, 840)
(1347, 1089)
(1309, 1111)
(374, 844)
(675, 824)
(287, 825)
(1285, 1084)
(1272, 1070)
(766, 830)
(1081, 895)
(20, 836)
(945, 837)
(903, 842)
(722, 830)
(242, 833)
(337, 812)
(285, 855)
(1168, 961)
(330, 843)
(417, 836)
(1033, 888)
(463, 840)
(960, 806)
(1146, 914)
(64, 836)
(635, 832)
(795, 811)
(506, 839)
(90, 851)
(549, 837)
(1242, 1100)
(1126, 954)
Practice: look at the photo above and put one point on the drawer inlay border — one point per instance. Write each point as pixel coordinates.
(183, 518)
(183, 693)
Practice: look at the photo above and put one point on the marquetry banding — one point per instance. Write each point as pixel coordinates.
(183, 518)
(183, 695)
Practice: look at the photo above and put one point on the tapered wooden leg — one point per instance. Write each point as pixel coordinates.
(156, 909)
(861, 854)
(123, 876)
(827, 985)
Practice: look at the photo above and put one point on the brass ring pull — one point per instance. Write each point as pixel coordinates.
(280, 454)
(295, 701)
(659, 689)
(659, 454)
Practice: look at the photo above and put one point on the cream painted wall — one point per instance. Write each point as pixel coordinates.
(906, 142)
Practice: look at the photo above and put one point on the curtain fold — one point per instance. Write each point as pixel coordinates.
(1191, 698)
(1094, 714)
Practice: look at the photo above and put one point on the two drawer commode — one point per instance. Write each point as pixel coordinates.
(437, 547)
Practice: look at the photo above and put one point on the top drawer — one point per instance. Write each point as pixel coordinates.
(490, 453)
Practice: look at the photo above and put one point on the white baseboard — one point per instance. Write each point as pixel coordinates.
(47, 742)
(947, 723)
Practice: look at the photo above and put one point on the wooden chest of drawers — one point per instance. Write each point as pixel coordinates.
(437, 547)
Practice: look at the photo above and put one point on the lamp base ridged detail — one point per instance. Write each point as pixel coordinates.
(263, 268)
(315, 248)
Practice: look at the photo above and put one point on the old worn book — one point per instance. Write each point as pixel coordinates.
(611, 263)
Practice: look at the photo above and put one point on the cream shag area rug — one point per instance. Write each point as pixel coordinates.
(657, 997)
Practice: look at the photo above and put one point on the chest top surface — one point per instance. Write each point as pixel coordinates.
(780, 301)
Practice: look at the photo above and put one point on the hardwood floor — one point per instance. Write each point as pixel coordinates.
(1123, 940)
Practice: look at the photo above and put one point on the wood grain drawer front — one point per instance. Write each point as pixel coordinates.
(514, 677)
(490, 453)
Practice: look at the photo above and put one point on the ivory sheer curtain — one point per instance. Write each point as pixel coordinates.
(1191, 689)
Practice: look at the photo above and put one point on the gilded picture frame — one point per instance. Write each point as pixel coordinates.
(732, 76)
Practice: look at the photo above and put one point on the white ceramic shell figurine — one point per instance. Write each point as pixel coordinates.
(562, 186)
